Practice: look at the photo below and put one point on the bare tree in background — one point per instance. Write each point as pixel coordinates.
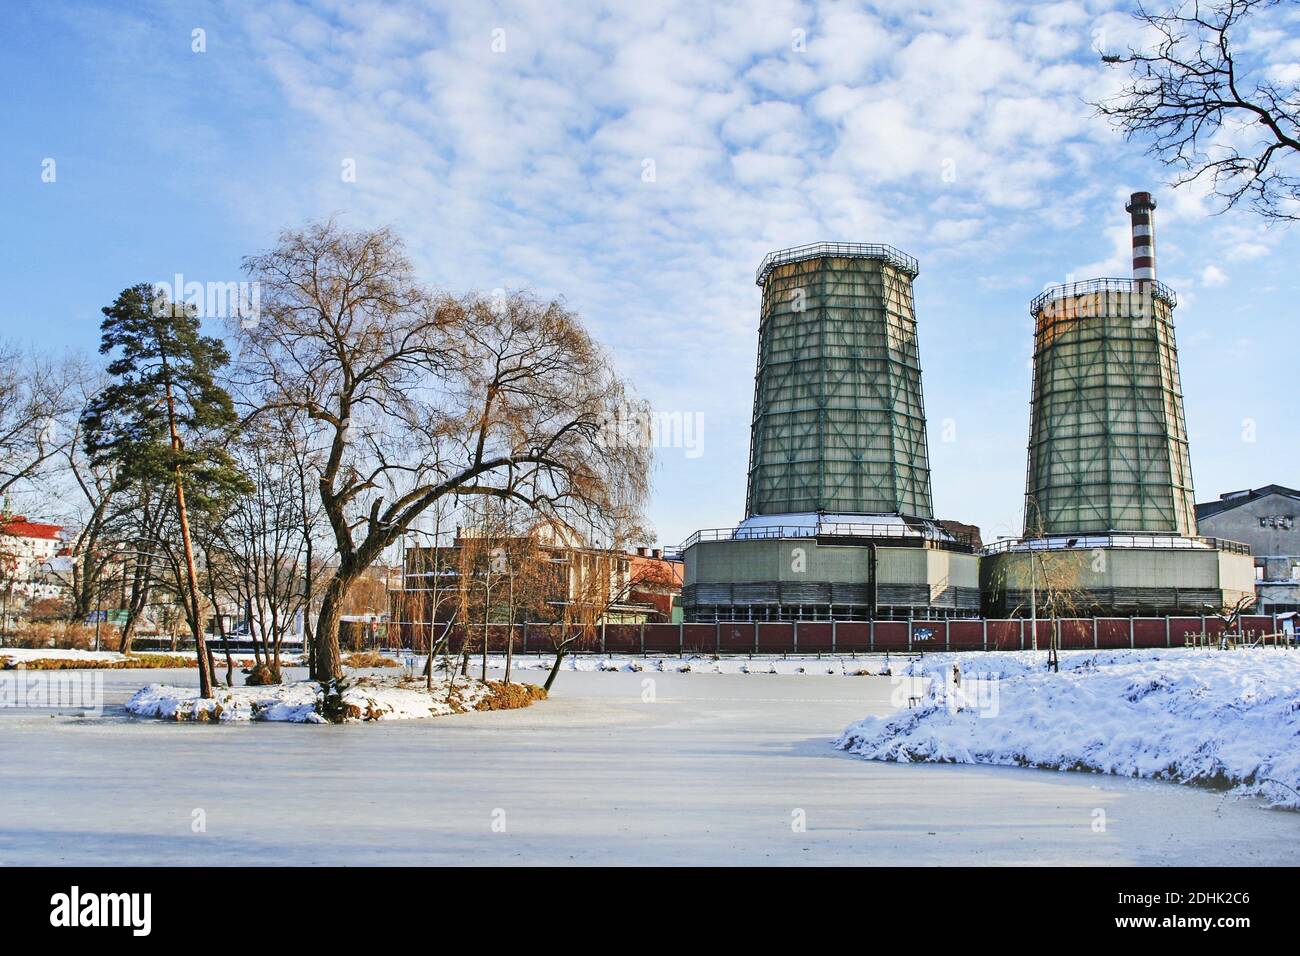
(264, 541)
(597, 580)
(438, 590)
(93, 553)
(137, 520)
(37, 396)
(529, 577)
(412, 397)
(1208, 111)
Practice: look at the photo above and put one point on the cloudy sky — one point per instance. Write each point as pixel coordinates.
(639, 160)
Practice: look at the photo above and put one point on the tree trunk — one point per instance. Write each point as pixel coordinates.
(434, 647)
(510, 650)
(225, 643)
(327, 664)
(192, 588)
(555, 669)
(128, 633)
(136, 603)
(487, 611)
(191, 570)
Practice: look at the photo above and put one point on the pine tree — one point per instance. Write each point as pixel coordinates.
(165, 421)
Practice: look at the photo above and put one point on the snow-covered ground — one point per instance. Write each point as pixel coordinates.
(1207, 717)
(375, 698)
(838, 665)
(18, 654)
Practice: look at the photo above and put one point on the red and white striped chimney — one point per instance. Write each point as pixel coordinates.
(1141, 208)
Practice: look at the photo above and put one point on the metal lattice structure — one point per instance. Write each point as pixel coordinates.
(1108, 441)
(839, 419)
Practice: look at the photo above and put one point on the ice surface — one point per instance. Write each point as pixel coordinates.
(691, 768)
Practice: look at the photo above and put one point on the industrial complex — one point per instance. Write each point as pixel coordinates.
(839, 523)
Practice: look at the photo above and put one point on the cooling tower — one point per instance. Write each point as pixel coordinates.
(1108, 442)
(1110, 519)
(838, 521)
(839, 421)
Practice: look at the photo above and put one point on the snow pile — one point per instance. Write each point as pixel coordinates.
(836, 664)
(1016, 663)
(1206, 717)
(24, 654)
(295, 702)
(302, 702)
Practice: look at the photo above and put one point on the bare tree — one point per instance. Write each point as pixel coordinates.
(138, 520)
(433, 568)
(1208, 111)
(1231, 617)
(412, 397)
(596, 579)
(37, 395)
(93, 554)
(263, 541)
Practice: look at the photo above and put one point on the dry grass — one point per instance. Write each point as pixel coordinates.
(134, 662)
(510, 696)
(59, 634)
(370, 659)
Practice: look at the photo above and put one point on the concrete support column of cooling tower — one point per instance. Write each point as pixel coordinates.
(1141, 208)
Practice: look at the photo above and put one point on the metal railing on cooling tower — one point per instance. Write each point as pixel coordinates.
(1085, 542)
(1101, 288)
(851, 250)
(906, 535)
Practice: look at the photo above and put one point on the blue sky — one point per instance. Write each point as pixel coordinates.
(508, 143)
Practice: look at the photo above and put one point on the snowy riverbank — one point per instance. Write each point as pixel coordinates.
(304, 702)
(1218, 718)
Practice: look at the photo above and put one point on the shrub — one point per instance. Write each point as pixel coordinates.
(503, 696)
(63, 635)
(370, 659)
(261, 675)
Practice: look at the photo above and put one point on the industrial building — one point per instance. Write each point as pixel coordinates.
(1268, 520)
(1110, 520)
(838, 521)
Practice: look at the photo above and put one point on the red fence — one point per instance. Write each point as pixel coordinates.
(733, 637)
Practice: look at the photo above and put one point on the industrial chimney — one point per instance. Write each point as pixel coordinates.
(1141, 209)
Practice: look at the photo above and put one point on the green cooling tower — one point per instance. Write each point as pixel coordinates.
(1108, 442)
(839, 421)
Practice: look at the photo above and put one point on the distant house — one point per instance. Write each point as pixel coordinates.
(635, 587)
(27, 551)
(655, 582)
(1267, 519)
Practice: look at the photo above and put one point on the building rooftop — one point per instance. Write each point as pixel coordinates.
(19, 527)
(1234, 499)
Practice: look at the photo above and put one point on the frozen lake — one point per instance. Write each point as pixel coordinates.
(713, 771)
